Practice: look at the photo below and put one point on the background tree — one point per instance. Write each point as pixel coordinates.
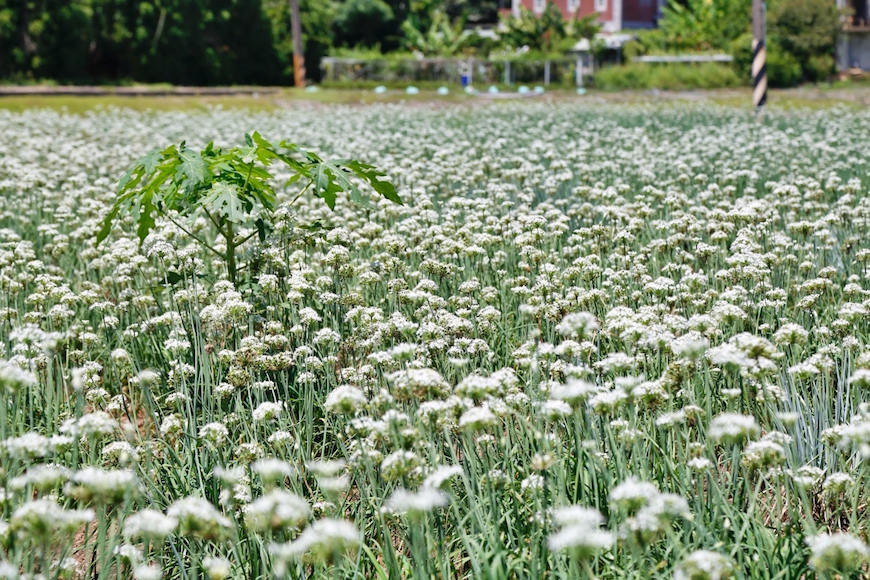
(183, 42)
(48, 39)
(366, 23)
(704, 24)
(443, 38)
(475, 11)
(548, 33)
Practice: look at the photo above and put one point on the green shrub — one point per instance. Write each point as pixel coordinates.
(652, 41)
(807, 30)
(670, 76)
(819, 67)
(741, 50)
(783, 68)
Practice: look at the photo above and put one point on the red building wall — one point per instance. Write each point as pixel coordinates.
(635, 13)
(639, 13)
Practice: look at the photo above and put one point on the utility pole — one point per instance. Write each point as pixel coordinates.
(298, 56)
(759, 55)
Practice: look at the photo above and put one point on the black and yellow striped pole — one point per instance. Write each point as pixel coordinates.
(759, 56)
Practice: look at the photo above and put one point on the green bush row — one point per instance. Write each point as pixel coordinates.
(668, 76)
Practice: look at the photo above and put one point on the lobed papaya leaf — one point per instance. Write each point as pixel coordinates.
(258, 139)
(265, 196)
(339, 179)
(326, 183)
(146, 219)
(230, 182)
(265, 151)
(173, 277)
(106, 224)
(248, 153)
(293, 179)
(192, 170)
(292, 147)
(145, 165)
(223, 199)
(372, 176)
(131, 178)
(150, 161)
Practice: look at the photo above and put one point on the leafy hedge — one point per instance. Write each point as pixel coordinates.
(667, 76)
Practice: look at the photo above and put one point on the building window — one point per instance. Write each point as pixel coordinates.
(600, 5)
(539, 6)
(573, 5)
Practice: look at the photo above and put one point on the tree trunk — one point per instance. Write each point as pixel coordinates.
(298, 56)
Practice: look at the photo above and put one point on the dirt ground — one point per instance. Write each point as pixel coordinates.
(81, 99)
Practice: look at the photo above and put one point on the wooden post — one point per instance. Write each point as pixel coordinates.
(298, 55)
(759, 55)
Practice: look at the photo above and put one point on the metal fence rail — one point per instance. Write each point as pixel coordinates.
(455, 71)
(685, 58)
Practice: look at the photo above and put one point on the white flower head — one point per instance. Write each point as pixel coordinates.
(416, 505)
(704, 565)
(321, 542)
(579, 532)
(345, 400)
(733, 428)
(838, 552)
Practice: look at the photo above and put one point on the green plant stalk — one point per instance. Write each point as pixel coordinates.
(230, 255)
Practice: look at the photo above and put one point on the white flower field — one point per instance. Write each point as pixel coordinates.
(618, 342)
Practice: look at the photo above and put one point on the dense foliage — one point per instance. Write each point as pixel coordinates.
(176, 41)
(194, 42)
(801, 36)
(207, 42)
(548, 33)
(613, 342)
(366, 23)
